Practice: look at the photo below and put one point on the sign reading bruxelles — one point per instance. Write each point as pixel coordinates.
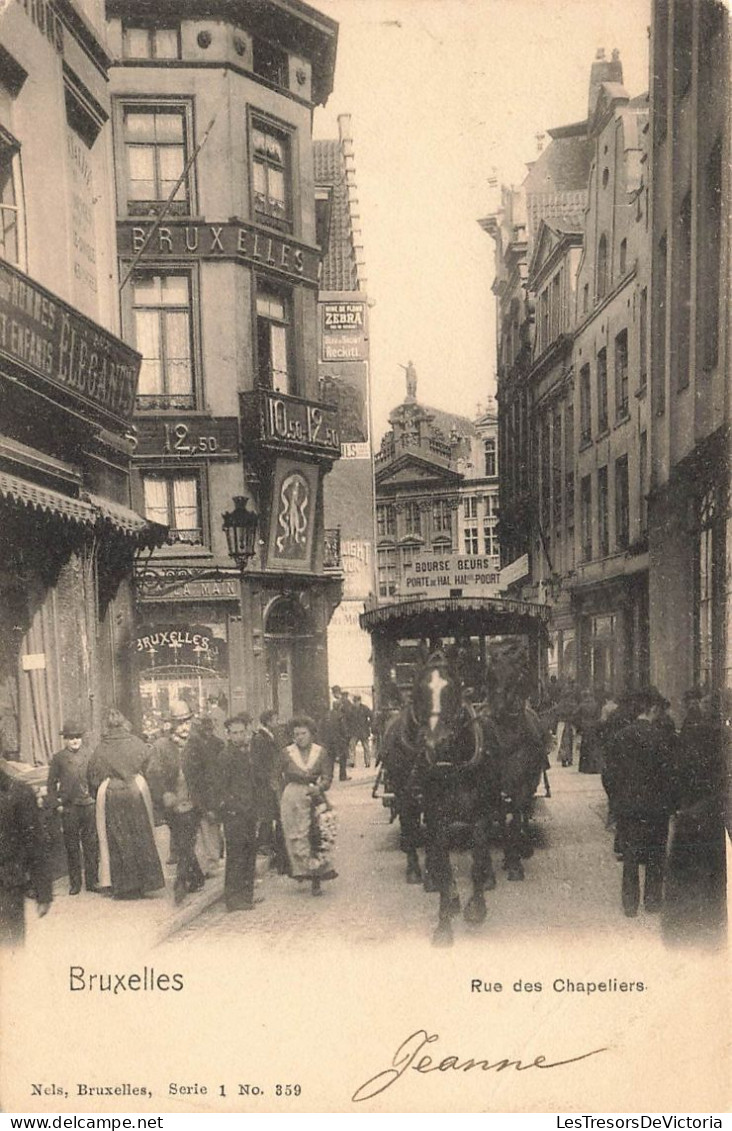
(53, 341)
(231, 240)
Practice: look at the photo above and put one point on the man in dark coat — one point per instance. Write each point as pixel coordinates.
(69, 794)
(23, 858)
(201, 758)
(240, 802)
(362, 728)
(266, 753)
(641, 786)
(172, 798)
(335, 733)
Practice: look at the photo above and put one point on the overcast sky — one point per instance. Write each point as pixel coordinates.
(443, 94)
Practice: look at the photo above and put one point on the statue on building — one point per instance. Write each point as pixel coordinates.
(411, 373)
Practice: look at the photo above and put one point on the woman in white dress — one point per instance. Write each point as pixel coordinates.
(306, 814)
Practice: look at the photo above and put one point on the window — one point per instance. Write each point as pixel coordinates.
(621, 375)
(407, 557)
(602, 513)
(274, 334)
(602, 419)
(643, 336)
(270, 63)
(586, 517)
(491, 462)
(162, 320)
(643, 480)
(585, 298)
(441, 523)
(557, 467)
(585, 405)
(175, 501)
(544, 466)
(710, 249)
(709, 584)
(682, 310)
(556, 305)
(151, 43)
(622, 504)
(10, 244)
(387, 572)
(471, 540)
(623, 256)
(602, 267)
(156, 144)
(659, 331)
(490, 538)
(470, 507)
(544, 326)
(569, 490)
(385, 520)
(412, 518)
(271, 175)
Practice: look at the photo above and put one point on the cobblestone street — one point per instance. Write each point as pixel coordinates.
(572, 882)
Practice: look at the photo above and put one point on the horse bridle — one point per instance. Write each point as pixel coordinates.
(429, 751)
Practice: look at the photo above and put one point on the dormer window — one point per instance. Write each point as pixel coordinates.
(151, 42)
(270, 63)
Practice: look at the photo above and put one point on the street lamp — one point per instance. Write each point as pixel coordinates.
(240, 528)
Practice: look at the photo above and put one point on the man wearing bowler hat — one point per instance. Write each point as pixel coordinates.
(69, 793)
(167, 774)
(642, 790)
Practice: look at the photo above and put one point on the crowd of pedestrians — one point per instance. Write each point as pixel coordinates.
(228, 791)
(665, 789)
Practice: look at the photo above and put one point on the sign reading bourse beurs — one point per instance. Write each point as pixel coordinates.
(435, 576)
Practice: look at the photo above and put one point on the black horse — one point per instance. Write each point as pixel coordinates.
(433, 756)
(448, 767)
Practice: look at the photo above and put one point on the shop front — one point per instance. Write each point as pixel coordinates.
(611, 631)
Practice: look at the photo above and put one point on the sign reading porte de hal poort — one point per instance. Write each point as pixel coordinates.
(433, 576)
(52, 341)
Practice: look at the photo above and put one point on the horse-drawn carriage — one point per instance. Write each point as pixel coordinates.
(458, 746)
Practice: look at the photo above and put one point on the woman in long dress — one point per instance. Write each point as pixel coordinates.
(128, 858)
(308, 772)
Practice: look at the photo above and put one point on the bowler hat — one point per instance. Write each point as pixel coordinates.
(72, 728)
(179, 713)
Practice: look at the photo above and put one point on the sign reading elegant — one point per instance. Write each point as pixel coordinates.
(58, 344)
(435, 576)
(188, 436)
(231, 240)
(290, 423)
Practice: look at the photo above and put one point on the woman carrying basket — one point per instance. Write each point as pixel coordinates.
(308, 820)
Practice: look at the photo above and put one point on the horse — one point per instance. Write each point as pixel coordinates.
(450, 765)
(433, 757)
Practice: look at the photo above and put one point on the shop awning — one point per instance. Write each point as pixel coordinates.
(34, 497)
(129, 523)
(491, 615)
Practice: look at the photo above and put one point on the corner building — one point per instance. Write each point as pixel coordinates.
(67, 391)
(217, 237)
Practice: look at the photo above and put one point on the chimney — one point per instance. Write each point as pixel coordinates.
(603, 70)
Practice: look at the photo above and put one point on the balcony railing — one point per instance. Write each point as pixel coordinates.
(285, 424)
(190, 537)
(162, 402)
(332, 561)
(393, 447)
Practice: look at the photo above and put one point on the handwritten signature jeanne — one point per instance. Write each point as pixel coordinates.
(407, 1056)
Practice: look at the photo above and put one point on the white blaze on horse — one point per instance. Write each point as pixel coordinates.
(449, 768)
